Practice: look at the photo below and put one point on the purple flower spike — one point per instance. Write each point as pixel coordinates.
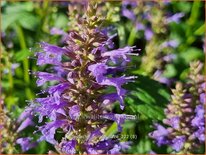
(81, 72)
(185, 116)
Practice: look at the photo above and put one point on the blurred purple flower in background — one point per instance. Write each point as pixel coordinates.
(184, 115)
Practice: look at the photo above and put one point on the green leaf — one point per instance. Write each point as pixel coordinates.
(112, 130)
(61, 21)
(19, 7)
(148, 98)
(170, 71)
(28, 21)
(121, 33)
(201, 30)
(192, 54)
(8, 20)
(11, 101)
(21, 55)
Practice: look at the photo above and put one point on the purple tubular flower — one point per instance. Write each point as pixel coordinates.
(111, 98)
(51, 55)
(74, 112)
(118, 118)
(199, 118)
(49, 130)
(27, 122)
(175, 18)
(26, 119)
(170, 43)
(50, 107)
(45, 77)
(139, 26)
(118, 54)
(160, 134)
(178, 143)
(52, 48)
(68, 147)
(148, 34)
(57, 90)
(117, 82)
(202, 98)
(26, 143)
(129, 14)
(57, 31)
(118, 147)
(98, 70)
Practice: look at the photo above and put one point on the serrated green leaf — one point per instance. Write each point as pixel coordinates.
(147, 97)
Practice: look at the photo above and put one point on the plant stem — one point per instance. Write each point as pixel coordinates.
(22, 42)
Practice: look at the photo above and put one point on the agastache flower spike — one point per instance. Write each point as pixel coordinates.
(185, 115)
(81, 78)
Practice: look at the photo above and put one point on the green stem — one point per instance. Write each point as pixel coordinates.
(11, 82)
(22, 42)
(132, 36)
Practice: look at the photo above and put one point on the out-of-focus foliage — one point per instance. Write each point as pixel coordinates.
(25, 24)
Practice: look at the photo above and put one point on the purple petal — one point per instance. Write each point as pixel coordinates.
(69, 147)
(48, 130)
(74, 112)
(44, 77)
(27, 122)
(175, 18)
(118, 118)
(202, 98)
(111, 98)
(26, 143)
(148, 34)
(57, 31)
(178, 143)
(98, 70)
(121, 53)
(129, 14)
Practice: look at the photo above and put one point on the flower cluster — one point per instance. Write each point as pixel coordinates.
(149, 18)
(185, 115)
(82, 70)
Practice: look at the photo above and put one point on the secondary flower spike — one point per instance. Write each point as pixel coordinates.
(185, 115)
(77, 105)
